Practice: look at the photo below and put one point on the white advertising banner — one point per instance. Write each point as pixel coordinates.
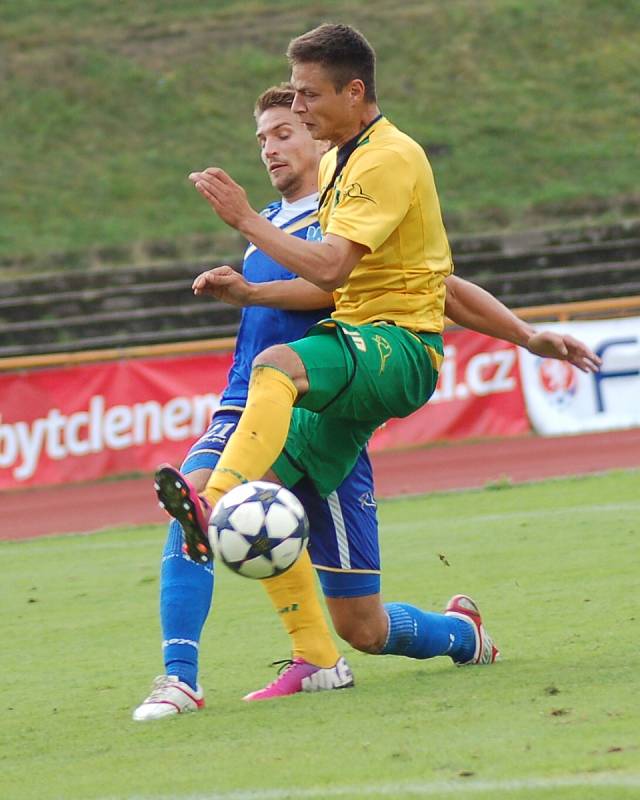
(561, 399)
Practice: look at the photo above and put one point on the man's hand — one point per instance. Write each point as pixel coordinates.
(225, 284)
(565, 348)
(227, 198)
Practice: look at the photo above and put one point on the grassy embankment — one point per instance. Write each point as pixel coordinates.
(528, 108)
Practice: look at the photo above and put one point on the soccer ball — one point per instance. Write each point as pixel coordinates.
(258, 529)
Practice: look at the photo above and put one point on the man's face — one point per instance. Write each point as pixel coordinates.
(326, 113)
(288, 152)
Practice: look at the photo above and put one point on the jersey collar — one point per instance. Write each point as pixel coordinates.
(343, 155)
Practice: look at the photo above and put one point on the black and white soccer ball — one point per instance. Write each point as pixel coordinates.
(258, 529)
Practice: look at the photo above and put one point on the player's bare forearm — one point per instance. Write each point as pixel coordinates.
(314, 261)
(226, 284)
(326, 264)
(293, 295)
(472, 307)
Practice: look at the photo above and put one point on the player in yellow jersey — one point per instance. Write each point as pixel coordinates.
(385, 255)
(313, 404)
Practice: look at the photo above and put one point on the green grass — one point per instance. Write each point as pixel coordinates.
(554, 565)
(528, 108)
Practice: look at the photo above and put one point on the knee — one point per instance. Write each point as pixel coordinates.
(368, 638)
(275, 356)
(286, 360)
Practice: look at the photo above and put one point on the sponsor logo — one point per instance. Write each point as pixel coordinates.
(355, 192)
(367, 500)
(314, 233)
(190, 642)
(623, 355)
(98, 428)
(484, 374)
(289, 609)
(558, 381)
(356, 338)
(384, 348)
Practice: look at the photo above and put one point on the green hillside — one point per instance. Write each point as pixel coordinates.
(528, 108)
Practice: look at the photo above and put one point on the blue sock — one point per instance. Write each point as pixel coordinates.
(423, 634)
(186, 589)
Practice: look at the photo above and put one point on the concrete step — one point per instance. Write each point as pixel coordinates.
(557, 280)
(541, 298)
(564, 255)
(113, 307)
(91, 302)
(41, 343)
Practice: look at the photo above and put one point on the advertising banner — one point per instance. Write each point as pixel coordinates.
(478, 394)
(562, 400)
(81, 423)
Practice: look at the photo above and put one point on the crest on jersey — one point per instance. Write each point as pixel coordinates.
(384, 349)
(314, 233)
(355, 192)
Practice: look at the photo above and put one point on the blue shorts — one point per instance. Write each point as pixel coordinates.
(205, 453)
(343, 544)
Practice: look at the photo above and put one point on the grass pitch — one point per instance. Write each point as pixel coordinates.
(554, 566)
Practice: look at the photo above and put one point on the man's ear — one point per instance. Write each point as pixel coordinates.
(356, 89)
(324, 145)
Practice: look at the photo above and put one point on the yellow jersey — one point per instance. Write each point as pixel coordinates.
(384, 198)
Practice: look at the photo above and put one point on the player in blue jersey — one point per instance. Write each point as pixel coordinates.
(291, 159)
(344, 545)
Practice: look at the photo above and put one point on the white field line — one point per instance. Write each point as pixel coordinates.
(142, 540)
(603, 508)
(418, 789)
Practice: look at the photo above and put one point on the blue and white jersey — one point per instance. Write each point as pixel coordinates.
(262, 327)
(344, 543)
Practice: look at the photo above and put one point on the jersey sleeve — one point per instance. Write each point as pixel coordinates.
(374, 198)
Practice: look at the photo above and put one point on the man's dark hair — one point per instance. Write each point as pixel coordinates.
(342, 51)
(280, 96)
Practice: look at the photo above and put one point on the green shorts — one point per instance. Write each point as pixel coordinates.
(359, 377)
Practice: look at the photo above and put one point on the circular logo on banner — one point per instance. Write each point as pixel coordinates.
(558, 381)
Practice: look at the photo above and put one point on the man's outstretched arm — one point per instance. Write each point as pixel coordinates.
(472, 307)
(229, 286)
(467, 304)
(326, 264)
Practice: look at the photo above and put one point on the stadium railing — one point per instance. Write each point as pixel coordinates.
(561, 312)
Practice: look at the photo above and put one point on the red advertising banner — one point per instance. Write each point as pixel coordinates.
(478, 394)
(81, 423)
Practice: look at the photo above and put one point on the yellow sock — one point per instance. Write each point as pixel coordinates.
(250, 452)
(295, 598)
(260, 435)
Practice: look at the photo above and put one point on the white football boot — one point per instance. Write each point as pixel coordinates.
(169, 696)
